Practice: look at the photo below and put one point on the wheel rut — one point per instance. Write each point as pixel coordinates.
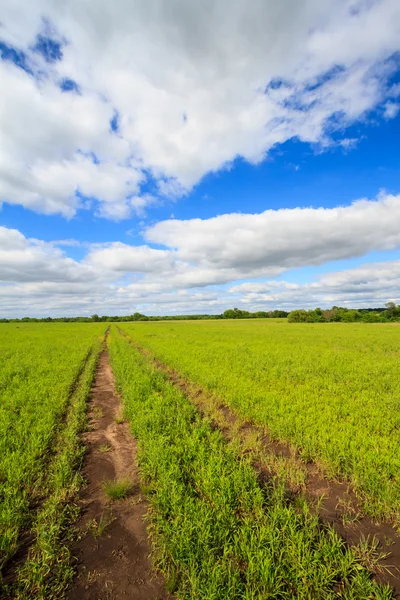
(113, 549)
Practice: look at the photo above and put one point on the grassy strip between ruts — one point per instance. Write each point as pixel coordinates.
(216, 533)
(39, 371)
(47, 569)
(332, 391)
(376, 544)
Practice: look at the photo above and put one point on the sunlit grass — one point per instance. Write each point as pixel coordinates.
(118, 489)
(45, 381)
(331, 390)
(216, 532)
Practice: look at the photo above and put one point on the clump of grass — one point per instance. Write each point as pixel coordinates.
(369, 554)
(97, 413)
(119, 419)
(105, 448)
(98, 526)
(117, 490)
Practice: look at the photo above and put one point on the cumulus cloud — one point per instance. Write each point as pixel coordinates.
(201, 256)
(176, 90)
(364, 286)
(283, 239)
(120, 257)
(23, 260)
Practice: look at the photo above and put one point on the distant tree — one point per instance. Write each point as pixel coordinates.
(235, 313)
(373, 317)
(95, 318)
(137, 316)
(298, 316)
(350, 316)
(392, 311)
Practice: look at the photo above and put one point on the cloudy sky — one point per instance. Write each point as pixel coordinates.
(179, 157)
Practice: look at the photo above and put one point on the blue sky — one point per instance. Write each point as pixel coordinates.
(165, 159)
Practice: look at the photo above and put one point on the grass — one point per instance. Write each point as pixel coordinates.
(97, 413)
(104, 448)
(371, 555)
(117, 490)
(217, 533)
(332, 391)
(98, 526)
(41, 450)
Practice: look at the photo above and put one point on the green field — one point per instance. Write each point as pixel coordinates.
(45, 375)
(332, 392)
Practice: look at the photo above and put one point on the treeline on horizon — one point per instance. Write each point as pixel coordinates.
(335, 314)
(231, 313)
(391, 312)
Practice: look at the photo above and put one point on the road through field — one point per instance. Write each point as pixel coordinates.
(113, 551)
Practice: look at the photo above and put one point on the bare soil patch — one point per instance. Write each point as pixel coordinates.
(113, 551)
(340, 506)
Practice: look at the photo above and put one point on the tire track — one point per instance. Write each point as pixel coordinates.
(114, 564)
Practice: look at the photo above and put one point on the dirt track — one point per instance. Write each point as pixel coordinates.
(115, 564)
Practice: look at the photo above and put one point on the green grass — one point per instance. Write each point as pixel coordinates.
(104, 448)
(117, 490)
(45, 380)
(97, 527)
(217, 534)
(331, 390)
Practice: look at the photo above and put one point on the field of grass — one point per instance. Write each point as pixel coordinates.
(45, 376)
(218, 530)
(217, 533)
(332, 390)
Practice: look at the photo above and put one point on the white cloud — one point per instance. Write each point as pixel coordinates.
(391, 110)
(191, 86)
(23, 260)
(120, 257)
(394, 91)
(349, 143)
(201, 256)
(368, 285)
(283, 239)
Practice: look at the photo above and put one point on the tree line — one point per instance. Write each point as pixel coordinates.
(231, 313)
(390, 312)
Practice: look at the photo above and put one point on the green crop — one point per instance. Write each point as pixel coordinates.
(118, 489)
(45, 377)
(217, 533)
(333, 391)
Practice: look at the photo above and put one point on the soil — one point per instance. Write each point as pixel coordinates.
(113, 561)
(339, 499)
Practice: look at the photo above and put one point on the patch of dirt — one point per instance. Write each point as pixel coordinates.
(339, 507)
(113, 552)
